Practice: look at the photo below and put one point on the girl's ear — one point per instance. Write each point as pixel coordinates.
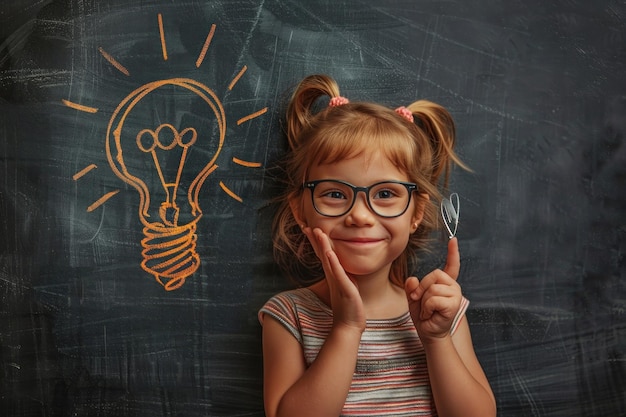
(295, 203)
(418, 214)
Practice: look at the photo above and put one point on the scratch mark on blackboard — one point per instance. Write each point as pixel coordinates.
(488, 109)
(104, 335)
(247, 41)
(523, 386)
(205, 47)
(435, 34)
(438, 35)
(99, 225)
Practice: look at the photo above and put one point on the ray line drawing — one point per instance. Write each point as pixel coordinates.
(237, 77)
(230, 192)
(79, 107)
(162, 36)
(205, 47)
(101, 200)
(252, 116)
(121, 68)
(84, 171)
(246, 163)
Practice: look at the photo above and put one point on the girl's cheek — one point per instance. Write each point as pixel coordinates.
(327, 231)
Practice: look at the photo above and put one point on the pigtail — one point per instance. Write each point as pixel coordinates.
(435, 137)
(437, 123)
(299, 111)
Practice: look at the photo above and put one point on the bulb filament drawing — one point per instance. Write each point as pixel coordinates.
(169, 210)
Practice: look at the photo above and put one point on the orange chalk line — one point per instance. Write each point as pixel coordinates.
(102, 200)
(251, 116)
(196, 190)
(230, 193)
(205, 47)
(237, 77)
(84, 171)
(114, 62)
(162, 34)
(246, 163)
(79, 107)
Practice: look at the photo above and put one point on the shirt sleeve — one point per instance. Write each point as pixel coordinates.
(459, 314)
(282, 308)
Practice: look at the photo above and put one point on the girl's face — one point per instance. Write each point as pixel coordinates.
(365, 242)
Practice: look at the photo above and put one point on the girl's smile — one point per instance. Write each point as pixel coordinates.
(358, 244)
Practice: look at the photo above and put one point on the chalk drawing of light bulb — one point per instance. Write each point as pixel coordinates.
(140, 154)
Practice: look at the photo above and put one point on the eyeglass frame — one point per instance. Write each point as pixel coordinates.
(410, 187)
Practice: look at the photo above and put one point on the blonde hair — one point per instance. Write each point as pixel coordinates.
(423, 150)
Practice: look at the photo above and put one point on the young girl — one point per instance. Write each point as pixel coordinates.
(363, 339)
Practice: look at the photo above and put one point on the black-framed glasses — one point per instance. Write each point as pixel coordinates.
(334, 198)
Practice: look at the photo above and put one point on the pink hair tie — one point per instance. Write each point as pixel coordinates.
(338, 101)
(406, 113)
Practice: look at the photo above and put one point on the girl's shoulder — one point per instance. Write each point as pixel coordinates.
(296, 300)
(292, 308)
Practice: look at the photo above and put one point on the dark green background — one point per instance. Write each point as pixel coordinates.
(538, 91)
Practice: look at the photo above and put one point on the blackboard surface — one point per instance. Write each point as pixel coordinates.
(88, 324)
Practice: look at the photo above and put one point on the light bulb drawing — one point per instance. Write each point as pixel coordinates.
(169, 245)
(148, 148)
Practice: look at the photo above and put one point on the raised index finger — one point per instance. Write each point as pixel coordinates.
(453, 261)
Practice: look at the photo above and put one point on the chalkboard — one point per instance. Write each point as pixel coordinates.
(101, 315)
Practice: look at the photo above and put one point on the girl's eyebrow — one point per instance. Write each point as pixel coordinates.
(356, 183)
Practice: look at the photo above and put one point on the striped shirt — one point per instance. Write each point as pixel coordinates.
(391, 377)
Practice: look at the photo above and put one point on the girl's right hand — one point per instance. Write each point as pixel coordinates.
(345, 298)
(434, 300)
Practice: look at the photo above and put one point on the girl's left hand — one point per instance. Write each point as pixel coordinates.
(435, 300)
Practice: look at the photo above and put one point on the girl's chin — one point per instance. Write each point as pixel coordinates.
(360, 270)
(360, 264)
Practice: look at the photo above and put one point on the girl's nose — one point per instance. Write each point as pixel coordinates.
(360, 214)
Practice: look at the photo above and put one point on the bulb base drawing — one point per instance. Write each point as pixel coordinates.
(169, 253)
